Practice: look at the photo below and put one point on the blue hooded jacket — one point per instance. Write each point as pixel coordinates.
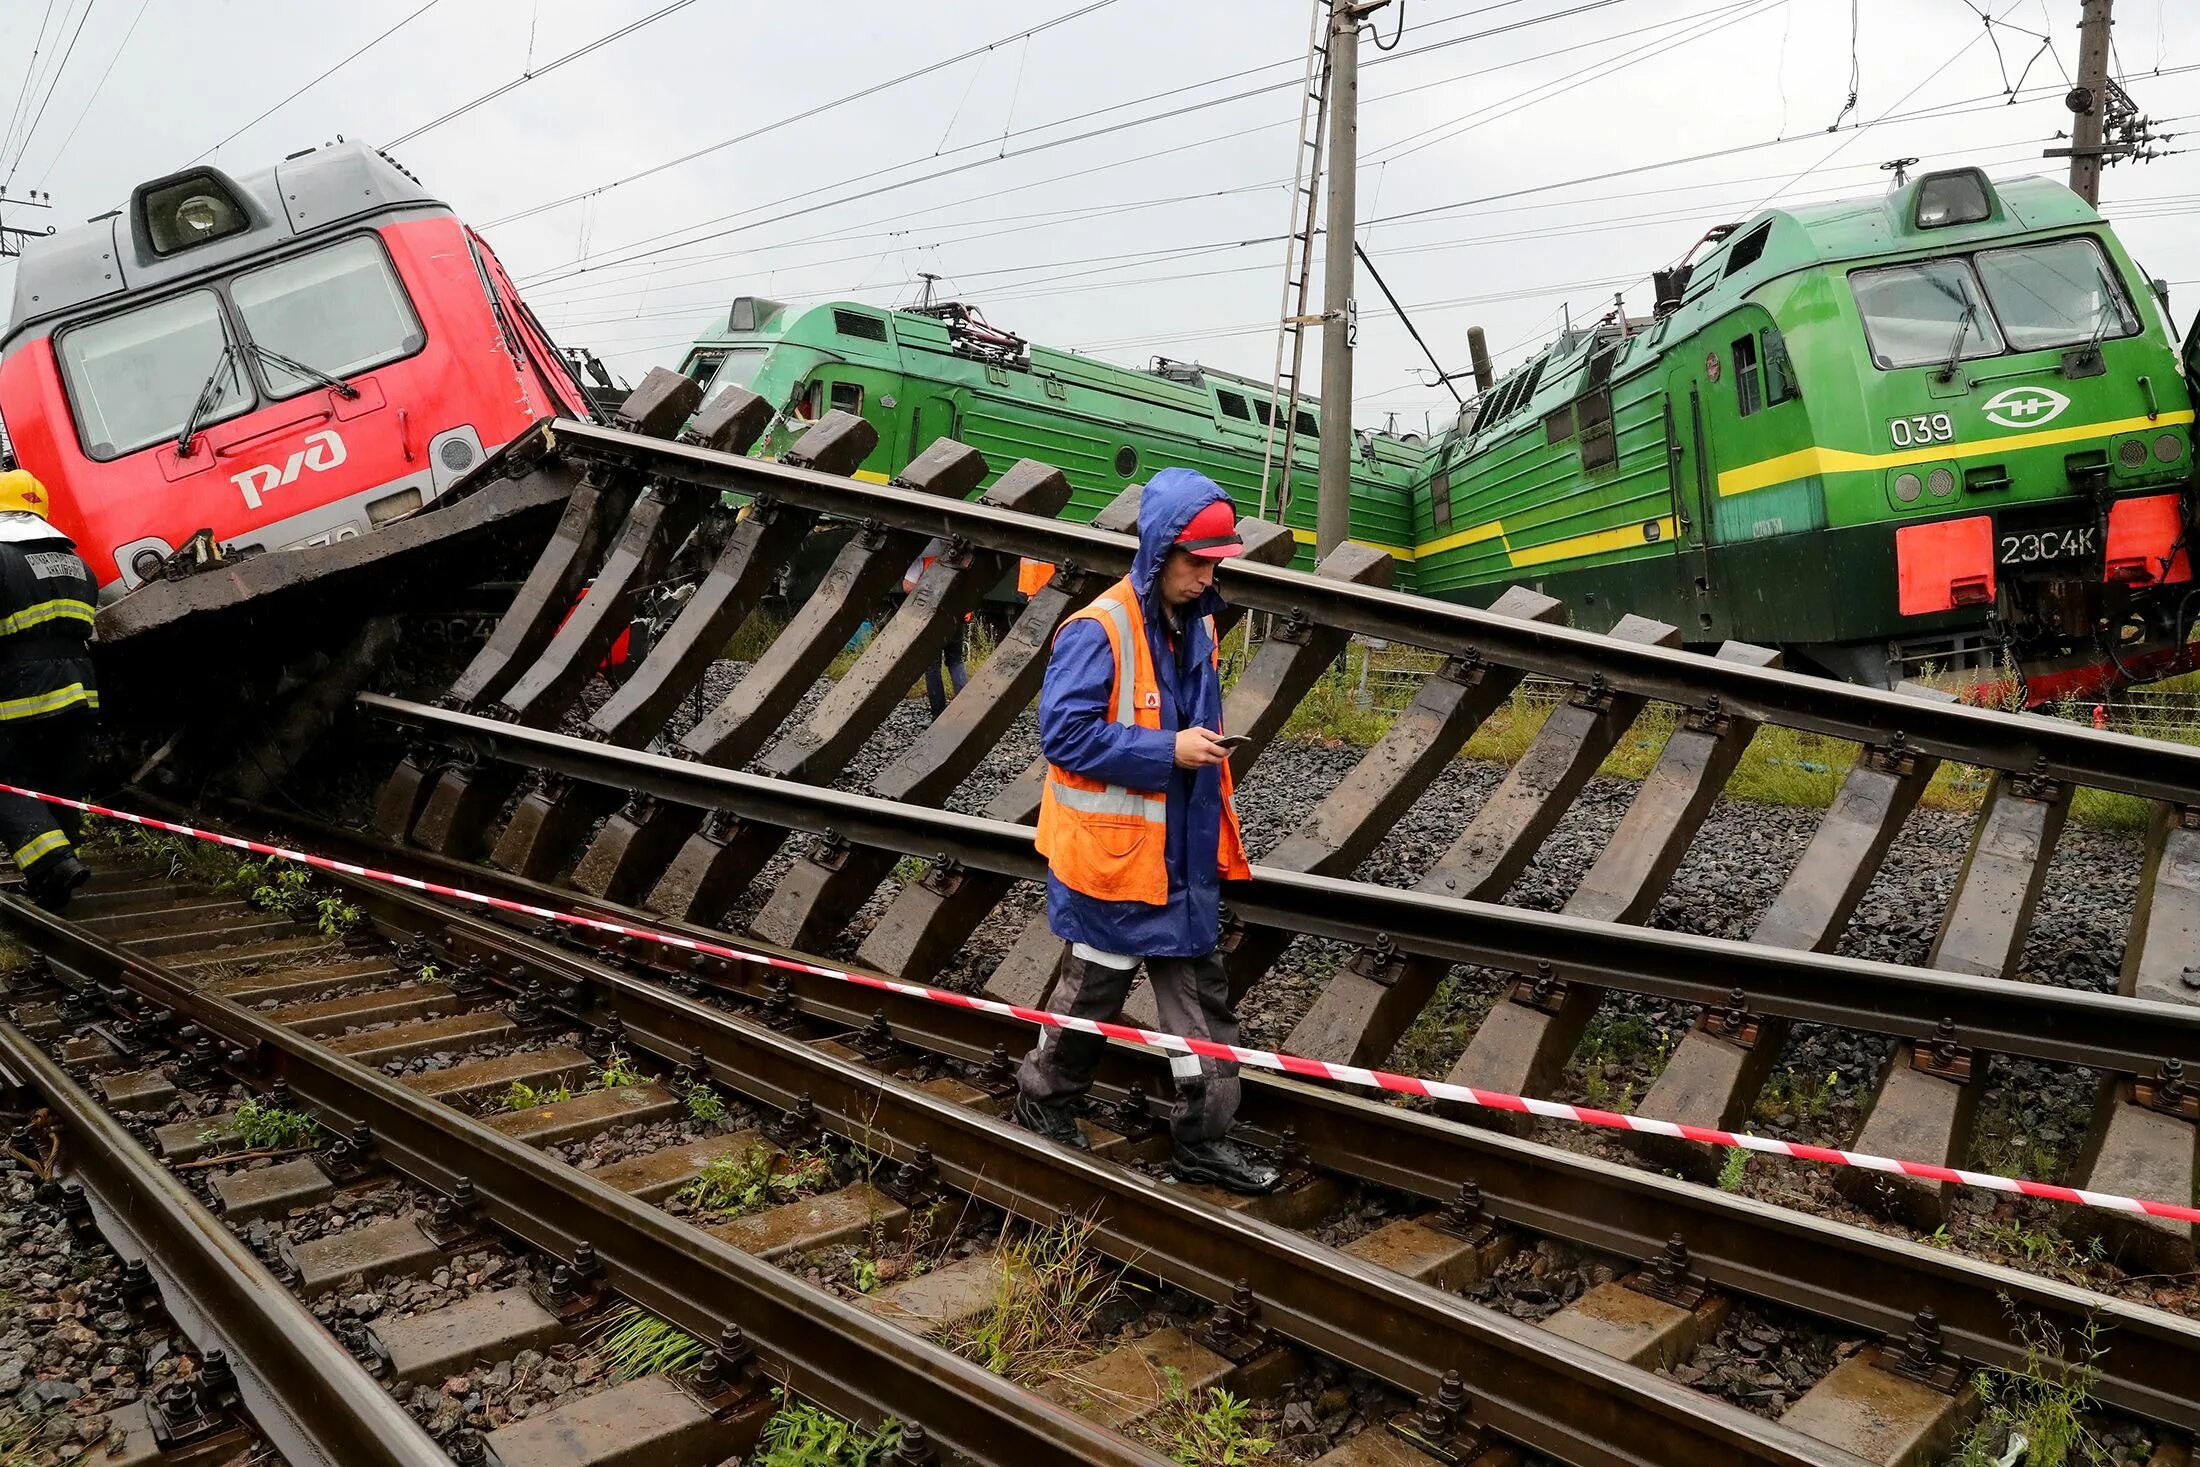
(1074, 732)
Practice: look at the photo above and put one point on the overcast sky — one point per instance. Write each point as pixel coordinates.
(1161, 234)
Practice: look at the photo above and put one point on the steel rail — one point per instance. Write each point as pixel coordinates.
(2106, 1031)
(1816, 1265)
(1562, 1399)
(847, 1360)
(302, 1390)
(2023, 744)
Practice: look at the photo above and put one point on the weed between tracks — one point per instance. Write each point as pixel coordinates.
(2048, 1403)
(1205, 1428)
(271, 1128)
(736, 1185)
(633, 1343)
(801, 1435)
(1053, 1285)
(616, 1073)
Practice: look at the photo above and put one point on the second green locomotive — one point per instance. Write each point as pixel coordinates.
(1946, 428)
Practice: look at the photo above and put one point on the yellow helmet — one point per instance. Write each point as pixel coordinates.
(21, 491)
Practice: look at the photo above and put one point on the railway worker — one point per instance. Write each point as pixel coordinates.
(1138, 829)
(951, 654)
(49, 700)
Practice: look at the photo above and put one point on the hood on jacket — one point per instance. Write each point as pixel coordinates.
(1171, 498)
(20, 526)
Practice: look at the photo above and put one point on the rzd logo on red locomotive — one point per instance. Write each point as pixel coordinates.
(321, 451)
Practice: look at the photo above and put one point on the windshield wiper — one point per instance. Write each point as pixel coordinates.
(299, 369)
(1955, 348)
(208, 396)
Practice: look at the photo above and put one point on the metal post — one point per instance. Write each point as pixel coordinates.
(1333, 512)
(1478, 352)
(2088, 102)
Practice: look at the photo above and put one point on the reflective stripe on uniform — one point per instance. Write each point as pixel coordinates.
(1111, 799)
(53, 702)
(1126, 689)
(45, 845)
(60, 609)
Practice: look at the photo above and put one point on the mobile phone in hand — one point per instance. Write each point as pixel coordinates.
(1231, 741)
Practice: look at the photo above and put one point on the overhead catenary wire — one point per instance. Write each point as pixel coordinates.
(823, 107)
(30, 77)
(53, 84)
(658, 244)
(1407, 320)
(530, 72)
(306, 87)
(97, 87)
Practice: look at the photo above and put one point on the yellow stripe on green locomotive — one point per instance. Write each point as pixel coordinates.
(1946, 427)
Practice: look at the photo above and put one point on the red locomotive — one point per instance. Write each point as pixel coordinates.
(284, 360)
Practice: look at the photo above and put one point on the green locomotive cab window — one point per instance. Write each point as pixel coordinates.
(847, 397)
(2055, 294)
(1308, 428)
(1923, 314)
(738, 369)
(702, 366)
(1779, 367)
(1749, 394)
(1233, 406)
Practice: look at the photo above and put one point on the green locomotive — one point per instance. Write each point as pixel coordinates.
(941, 372)
(1944, 427)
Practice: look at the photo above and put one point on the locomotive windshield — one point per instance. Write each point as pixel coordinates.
(2023, 299)
(340, 309)
(134, 378)
(2058, 294)
(1930, 312)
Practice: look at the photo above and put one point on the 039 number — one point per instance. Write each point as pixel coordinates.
(1909, 432)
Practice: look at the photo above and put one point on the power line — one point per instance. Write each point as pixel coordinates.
(324, 76)
(538, 280)
(874, 89)
(30, 72)
(635, 252)
(97, 87)
(53, 84)
(529, 72)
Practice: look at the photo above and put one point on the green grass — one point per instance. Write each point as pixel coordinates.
(1205, 1428)
(1051, 1289)
(1807, 1097)
(705, 1106)
(519, 1096)
(1782, 766)
(634, 1343)
(801, 1435)
(2049, 1401)
(271, 1128)
(738, 1184)
(1731, 1170)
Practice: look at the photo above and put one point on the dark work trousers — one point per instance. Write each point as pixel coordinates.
(951, 653)
(54, 754)
(1193, 995)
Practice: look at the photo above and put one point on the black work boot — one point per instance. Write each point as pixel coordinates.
(56, 880)
(1055, 1122)
(1225, 1164)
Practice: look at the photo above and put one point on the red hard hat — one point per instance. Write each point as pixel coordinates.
(1212, 533)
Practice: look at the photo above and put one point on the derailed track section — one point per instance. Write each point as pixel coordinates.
(517, 772)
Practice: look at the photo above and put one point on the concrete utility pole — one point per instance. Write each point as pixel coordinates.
(2089, 101)
(1333, 511)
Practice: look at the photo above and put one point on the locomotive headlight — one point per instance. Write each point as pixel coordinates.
(1907, 487)
(1959, 196)
(2169, 448)
(2132, 453)
(199, 215)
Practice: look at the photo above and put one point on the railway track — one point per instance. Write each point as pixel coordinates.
(511, 782)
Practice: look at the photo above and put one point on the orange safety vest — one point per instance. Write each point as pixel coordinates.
(1032, 576)
(1108, 841)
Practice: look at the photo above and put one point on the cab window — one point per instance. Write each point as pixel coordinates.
(2055, 294)
(133, 379)
(339, 310)
(1923, 314)
(847, 397)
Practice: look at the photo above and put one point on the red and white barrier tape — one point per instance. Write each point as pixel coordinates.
(1259, 1058)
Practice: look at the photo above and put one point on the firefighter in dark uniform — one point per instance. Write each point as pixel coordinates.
(49, 702)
